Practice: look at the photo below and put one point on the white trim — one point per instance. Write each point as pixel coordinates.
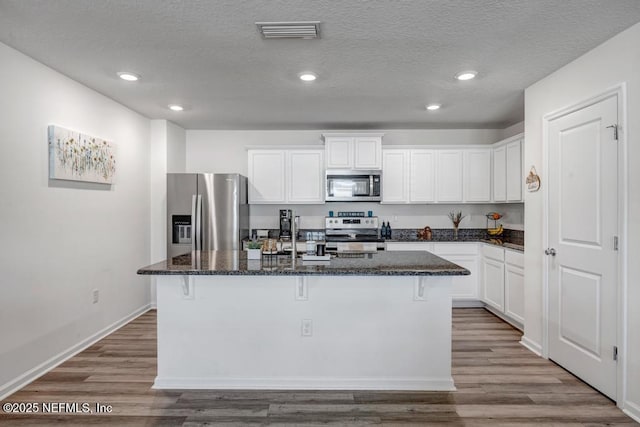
(499, 313)
(285, 147)
(619, 90)
(46, 366)
(314, 383)
(353, 135)
(632, 410)
(531, 345)
(467, 303)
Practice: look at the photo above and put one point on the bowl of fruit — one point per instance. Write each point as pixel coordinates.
(494, 216)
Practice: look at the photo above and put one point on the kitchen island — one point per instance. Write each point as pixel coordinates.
(360, 321)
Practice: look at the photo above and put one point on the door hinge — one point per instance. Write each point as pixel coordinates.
(615, 131)
(615, 352)
(615, 243)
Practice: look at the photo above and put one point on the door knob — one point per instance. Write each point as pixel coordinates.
(550, 251)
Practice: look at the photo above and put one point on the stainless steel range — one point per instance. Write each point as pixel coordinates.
(353, 234)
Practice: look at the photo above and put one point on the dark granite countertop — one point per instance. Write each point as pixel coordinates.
(507, 245)
(401, 263)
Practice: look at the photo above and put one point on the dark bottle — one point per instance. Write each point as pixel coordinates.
(388, 230)
(383, 231)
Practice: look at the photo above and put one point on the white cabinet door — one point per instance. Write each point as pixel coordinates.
(339, 152)
(394, 176)
(477, 175)
(267, 176)
(500, 174)
(449, 179)
(464, 287)
(465, 255)
(422, 176)
(305, 177)
(514, 292)
(514, 171)
(493, 281)
(367, 153)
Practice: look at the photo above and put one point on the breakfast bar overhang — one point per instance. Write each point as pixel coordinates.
(373, 321)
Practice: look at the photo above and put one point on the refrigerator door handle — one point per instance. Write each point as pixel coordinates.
(199, 222)
(194, 220)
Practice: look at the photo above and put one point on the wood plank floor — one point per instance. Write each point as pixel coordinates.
(499, 382)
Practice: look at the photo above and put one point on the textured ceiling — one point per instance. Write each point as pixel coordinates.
(379, 62)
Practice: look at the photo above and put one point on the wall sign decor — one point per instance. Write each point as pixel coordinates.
(533, 180)
(78, 157)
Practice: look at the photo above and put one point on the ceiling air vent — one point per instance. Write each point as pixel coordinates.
(289, 30)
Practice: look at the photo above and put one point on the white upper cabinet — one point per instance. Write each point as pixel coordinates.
(500, 174)
(267, 176)
(514, 171)
(306, 176)
(286, 176)
(408, 176)
(394, 176)
(477, 175)
(339, 152)
(422, 176)
(449, 176)
(507, 170)
(353, 151)
(367, 153)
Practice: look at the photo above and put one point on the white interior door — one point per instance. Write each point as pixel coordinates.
(582, 275)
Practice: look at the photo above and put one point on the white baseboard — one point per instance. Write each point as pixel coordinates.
(513, 322)
(35, 373)
(466, 303)
(413, 384)
(632, 410)
(531, 345)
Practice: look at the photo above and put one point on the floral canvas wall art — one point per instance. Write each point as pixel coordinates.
(79, 157)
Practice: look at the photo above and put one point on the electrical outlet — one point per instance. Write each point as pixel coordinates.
(307, 328)
(96, 296)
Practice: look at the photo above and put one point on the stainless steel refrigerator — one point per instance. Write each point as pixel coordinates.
(206, 211)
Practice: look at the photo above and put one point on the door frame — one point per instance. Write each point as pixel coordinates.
(619, 90)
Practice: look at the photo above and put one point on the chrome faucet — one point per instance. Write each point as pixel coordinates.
(294, 235)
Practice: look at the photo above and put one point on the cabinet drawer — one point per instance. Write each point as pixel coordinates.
(455, 248)
(493, 252)
(514, 258)
(408, 246)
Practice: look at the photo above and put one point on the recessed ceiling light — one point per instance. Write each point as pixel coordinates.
(466, 75)
(176, 107)
(130, 77)
(433, 107)
(308, 76)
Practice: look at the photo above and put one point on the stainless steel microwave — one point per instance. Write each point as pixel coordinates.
(353, 185)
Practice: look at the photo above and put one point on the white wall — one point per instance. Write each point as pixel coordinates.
(176, 148)
(613, 62)
(400, 216)
(512, 130)
(226, 151)
(61, 239)
(167, 155)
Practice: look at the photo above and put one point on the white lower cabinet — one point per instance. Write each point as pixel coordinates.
(465, 255)
(503, 282)
(496, 280)
(514, 285)
(493, 280)
(464, 289)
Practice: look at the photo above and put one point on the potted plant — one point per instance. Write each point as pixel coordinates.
(455, 218)
(254, 250)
